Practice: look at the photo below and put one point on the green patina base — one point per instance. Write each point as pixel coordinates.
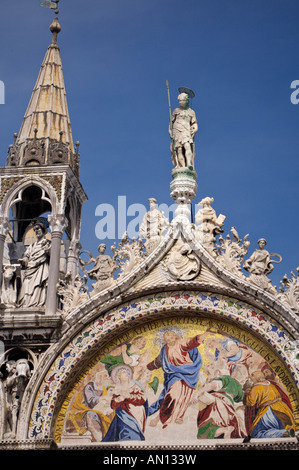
(184, 173)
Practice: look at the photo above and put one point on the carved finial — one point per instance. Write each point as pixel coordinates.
(55, 28)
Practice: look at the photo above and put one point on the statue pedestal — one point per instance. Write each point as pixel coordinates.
(183, 173)
(183, 189)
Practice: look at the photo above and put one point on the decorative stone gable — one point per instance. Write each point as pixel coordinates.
(177, 339)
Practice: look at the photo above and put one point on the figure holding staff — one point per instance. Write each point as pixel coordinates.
(182, 129)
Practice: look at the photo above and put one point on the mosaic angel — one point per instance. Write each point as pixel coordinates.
(130, 354)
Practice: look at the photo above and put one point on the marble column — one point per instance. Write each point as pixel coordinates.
(58, 223)
(72, 259)
(4, 228)
(183, 191)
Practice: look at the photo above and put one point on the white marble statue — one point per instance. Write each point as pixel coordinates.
(103, 269)
(208, 224)
(35, 264)
(182, 263)
(260, 265)
(18, 375)
(153, 226)
(182, 129)
(9, 290)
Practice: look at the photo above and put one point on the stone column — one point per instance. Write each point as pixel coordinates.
(72, 259)
(58, 224)
(183, 191)
(4, 228)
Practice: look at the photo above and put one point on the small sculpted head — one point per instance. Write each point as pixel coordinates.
(183, 99)
(262, 243)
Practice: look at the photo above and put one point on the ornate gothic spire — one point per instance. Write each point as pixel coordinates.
(45, 136)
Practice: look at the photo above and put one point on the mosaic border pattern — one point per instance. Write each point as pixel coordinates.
(227, 308)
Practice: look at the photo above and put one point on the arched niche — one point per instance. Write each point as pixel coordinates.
(43, 194)
(24, 203)
(29, 204)
(68, 364)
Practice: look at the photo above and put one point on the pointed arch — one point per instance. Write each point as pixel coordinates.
(14, 193)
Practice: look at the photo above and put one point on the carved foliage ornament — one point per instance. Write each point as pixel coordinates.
(289, 291)
(128, 255)
(72, 293)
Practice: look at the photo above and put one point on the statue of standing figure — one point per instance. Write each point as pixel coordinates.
(35, 264)
(182, 129)
(153, 226)
(18, 375)
(208, 224)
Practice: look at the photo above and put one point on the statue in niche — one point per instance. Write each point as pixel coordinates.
(35, 264)
(260, 265)
(14, 385)
(103, 269)
(153, 226)
(182, 129)
(208, 225)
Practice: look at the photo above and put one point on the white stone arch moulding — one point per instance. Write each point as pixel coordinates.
(14, 194)
(64, 360)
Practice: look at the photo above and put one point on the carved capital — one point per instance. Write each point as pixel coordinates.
(183, 190)
(75, 247)
(57, 223)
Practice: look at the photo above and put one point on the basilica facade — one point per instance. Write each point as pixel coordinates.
(177, 341)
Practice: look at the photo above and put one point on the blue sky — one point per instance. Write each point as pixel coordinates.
(239, 57)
